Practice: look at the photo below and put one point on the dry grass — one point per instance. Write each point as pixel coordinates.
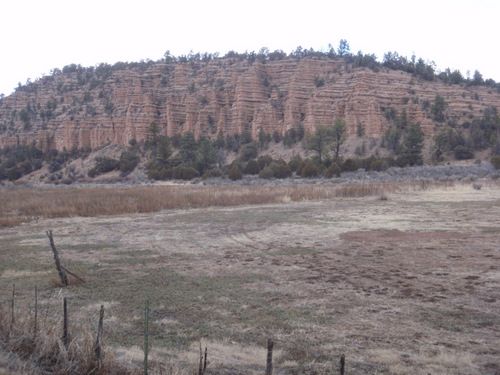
(23, 352)
(26, 204)
(406, 285)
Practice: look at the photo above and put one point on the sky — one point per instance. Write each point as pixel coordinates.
(38, 36)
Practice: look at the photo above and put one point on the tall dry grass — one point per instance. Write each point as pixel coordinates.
(44, 352)
(18, 205)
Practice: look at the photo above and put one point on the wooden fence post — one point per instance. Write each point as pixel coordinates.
(62, 274)
(65, 324)
(12, 320)
(36, 313)
(269, 366)
(342, 364)
(146, 337)
(200, 366)
(98, 342)
(205, 361)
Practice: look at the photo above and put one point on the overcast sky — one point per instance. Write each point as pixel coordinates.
(39, 35)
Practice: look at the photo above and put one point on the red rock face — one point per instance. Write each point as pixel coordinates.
(86, 110)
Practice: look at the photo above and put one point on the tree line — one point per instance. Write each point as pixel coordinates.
(418, 67)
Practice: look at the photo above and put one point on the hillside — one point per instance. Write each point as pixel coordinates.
(87, 108)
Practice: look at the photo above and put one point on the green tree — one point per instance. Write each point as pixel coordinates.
(235, 173)
(339, 135)
(152, 135)
(438, 108)
(263, 139)
(413, 146)
(188, 147)
(206, 155)
(344, 48)
(128, 161)
(441, 143)
(320, 141)
(163, 151)
(220, 142)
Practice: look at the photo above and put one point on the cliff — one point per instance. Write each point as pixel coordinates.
(90, 107)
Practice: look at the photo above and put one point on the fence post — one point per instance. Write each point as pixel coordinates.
(36, 312)
(200, 367)
(146, 337)
(12, 306)
(62, 274)
(205, 361)
(98, 342)
(342, 364)
(269, 366)
(65, 323)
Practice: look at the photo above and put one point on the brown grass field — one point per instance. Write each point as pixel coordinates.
(407, 284)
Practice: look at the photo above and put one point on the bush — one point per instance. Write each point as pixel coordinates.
(332, 170)
(248, 151)
(235, 173)
(54, 166)
(181, 173)
(371, 164)
(128, 162)
(13, 173)
(264, 161)
(463, 153)
(295, 162)
(301, 167)
(276, 170)
(309, 170)
(495, 160)
(350, 165)
(252, 167)
(211, 173)
(156, 172)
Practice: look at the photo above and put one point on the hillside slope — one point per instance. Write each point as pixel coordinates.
(90, 107)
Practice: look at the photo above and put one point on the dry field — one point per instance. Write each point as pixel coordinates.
(408, 284)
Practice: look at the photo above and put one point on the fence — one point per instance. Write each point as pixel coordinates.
(204, 361)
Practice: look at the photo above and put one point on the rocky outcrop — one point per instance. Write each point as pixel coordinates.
(91, 107)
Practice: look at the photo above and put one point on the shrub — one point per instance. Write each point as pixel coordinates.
(266, 173)
(188, 173)
(309, 170)
(332, 170)
(301, 167)
(252, 167)
(495, 160)
(463, 153)
(13, 173)
(248, 151)
(295, 162)
(54, 166)
(212, 173)
(264, 161)
(235, 173)
(128, 162)
(350, 165)
(156, 172)
(371, 164)
(276, 170)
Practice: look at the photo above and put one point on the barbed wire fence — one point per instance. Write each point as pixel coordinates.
(160, 348)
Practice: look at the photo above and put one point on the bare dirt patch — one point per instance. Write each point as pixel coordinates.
(405, 285)
(399, 236)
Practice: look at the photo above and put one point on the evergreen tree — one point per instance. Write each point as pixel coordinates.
(339, 135)
(413, 146)
(164, 151)
(206, 155)
(188, 147)
(320, 141)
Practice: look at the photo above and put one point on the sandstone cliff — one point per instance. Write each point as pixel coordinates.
(93, 107)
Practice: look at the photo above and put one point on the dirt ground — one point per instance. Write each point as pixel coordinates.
(410, 284)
